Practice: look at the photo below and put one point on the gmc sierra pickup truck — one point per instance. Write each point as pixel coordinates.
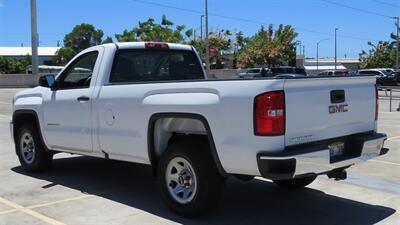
(152, 103)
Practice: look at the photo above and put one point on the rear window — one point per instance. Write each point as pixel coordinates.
(140, 65)
(387, 72)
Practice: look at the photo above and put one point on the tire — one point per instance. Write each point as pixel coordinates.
(188, 177)
(30, 149)
(295, 183)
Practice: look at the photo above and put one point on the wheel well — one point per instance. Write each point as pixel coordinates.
(165, 127)
(22, 117)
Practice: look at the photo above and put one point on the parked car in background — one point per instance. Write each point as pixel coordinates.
(392, 79)
(377, 72)
(334, 73)
(254, 72)
(287, 70)
(45, 69)
(272, 72)
(288, 76)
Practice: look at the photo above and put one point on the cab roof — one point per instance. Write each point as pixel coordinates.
(142, 45)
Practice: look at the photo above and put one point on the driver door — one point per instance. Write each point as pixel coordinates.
(68, 106)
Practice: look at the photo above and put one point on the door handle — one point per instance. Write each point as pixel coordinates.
(83, 99)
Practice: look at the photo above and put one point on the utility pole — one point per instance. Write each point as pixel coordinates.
(398, 42)
(206, 41)
(201, 26)
(336, 29)
(34, 37)
(319, 42)
(304, 51)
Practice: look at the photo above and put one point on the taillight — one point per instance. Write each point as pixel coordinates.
(269, 113)
(376, 102)
(156, 45)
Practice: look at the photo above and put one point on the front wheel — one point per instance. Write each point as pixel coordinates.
(295, 183)
(188, 178)
(30, 149)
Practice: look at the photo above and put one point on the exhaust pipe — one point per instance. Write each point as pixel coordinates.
(338, 174)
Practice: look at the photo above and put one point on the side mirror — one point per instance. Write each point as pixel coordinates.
(47, 81)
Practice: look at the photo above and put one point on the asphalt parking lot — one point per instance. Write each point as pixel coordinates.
(83, 190)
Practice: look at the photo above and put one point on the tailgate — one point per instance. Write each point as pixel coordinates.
(324, 108)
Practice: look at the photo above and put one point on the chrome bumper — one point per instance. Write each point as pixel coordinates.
(317, 159)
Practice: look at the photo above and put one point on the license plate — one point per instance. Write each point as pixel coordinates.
(336, 149)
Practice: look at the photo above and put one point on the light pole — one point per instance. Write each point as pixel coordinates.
(201, 26)
(336, 29)
(206, 41)
(299, 44)
(318, 52)
(34, 38)
(398, 42)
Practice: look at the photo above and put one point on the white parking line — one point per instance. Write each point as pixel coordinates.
(384, 162)
(388, 125)
(394, 138)
(5, 103)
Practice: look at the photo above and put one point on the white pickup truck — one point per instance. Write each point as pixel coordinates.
(152, 103)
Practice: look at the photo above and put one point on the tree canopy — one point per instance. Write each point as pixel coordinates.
(81, 37)
(14, 66)
(268, 47)
(219, 40)
(381, 55)
(153, 31)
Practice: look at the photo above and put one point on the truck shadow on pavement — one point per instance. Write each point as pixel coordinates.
(255, 202)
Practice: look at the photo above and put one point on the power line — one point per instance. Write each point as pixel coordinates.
(249, 21)
(357, 9)
(386, 3)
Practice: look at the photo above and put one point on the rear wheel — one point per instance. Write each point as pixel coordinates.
(30, 149)
(296, 183)
(188, 178)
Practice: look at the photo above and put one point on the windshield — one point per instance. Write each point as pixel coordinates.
(387, 72)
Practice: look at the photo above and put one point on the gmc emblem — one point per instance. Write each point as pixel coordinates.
(338, 108)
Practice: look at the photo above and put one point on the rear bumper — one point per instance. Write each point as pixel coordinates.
(316, 159)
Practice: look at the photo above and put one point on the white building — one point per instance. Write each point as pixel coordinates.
(324, 64)
(46, 54)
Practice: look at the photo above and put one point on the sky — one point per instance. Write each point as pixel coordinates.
(314, 20)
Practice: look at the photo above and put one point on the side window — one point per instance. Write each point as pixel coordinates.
(79, 73)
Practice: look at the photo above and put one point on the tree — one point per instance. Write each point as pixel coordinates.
(63, 55)
(152, 31)
(81, 37)
(221, 41)
(107, 40)
(4, 65)
(268, 47)
(381, 55)
(14, 66)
